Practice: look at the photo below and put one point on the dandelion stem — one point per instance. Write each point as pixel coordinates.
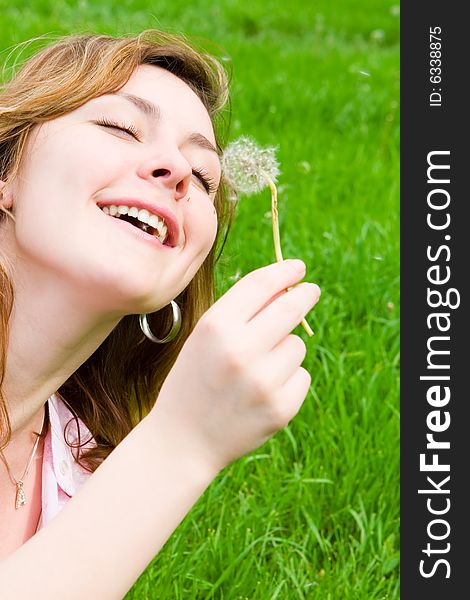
(277, 237)
(275, 218)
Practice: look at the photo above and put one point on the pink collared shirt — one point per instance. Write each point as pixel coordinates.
(62, 476)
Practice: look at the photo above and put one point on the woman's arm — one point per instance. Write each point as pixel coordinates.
(236, 381)
(106, 535)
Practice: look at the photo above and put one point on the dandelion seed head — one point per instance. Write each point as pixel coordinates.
(247, 167)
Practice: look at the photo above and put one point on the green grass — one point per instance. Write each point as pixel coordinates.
(314, 513)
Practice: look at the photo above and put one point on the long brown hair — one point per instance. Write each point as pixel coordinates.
(119, 383)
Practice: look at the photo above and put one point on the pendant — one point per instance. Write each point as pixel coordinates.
(20, 495)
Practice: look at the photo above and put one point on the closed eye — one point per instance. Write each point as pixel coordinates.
(129, 129)
(208, 183)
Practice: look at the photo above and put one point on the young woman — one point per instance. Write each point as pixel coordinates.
(125, 388)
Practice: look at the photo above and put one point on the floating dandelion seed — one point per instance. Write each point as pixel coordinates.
(248, 169)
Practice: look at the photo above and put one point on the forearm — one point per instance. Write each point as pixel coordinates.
(107, 534)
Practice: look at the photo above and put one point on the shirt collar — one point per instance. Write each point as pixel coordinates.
(69, 474)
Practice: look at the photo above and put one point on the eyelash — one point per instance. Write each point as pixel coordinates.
(130, 129)
(208, 183)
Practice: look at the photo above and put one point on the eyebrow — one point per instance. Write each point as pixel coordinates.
(146, 107)
(152, 111)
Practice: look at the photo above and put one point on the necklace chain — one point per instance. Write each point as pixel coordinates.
(20, 499)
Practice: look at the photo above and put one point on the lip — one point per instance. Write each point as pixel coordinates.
(151, 239)
(165, 213)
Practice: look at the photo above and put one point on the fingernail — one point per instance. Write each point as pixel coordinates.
(298, 264)
(315, 290)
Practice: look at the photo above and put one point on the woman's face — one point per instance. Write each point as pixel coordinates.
(143, 147)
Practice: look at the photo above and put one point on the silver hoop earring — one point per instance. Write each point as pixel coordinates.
(174, 328)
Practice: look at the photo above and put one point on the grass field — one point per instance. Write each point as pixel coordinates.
(314, 513)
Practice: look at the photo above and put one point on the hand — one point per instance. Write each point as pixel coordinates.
(238, 379)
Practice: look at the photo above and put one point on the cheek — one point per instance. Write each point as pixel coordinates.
(51, 197)
(201, 223)
(73, 161)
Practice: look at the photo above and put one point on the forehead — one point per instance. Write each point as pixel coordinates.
(172, 96)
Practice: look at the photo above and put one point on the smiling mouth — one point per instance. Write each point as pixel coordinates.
(141, 219)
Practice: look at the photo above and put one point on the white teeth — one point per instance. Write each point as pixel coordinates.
(154, 222)
(160, 227)
(142, 215)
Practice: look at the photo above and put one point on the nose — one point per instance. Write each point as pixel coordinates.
(170, 170)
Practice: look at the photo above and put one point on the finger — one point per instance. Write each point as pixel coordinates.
(278, 319)
(290, 398)
(282, 362)
(248, 296)
(269, 301)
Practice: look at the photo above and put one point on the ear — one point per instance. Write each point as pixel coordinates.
(6, 201)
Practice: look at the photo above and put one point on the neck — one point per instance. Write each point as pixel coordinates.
(52, 331)
(24, 447)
